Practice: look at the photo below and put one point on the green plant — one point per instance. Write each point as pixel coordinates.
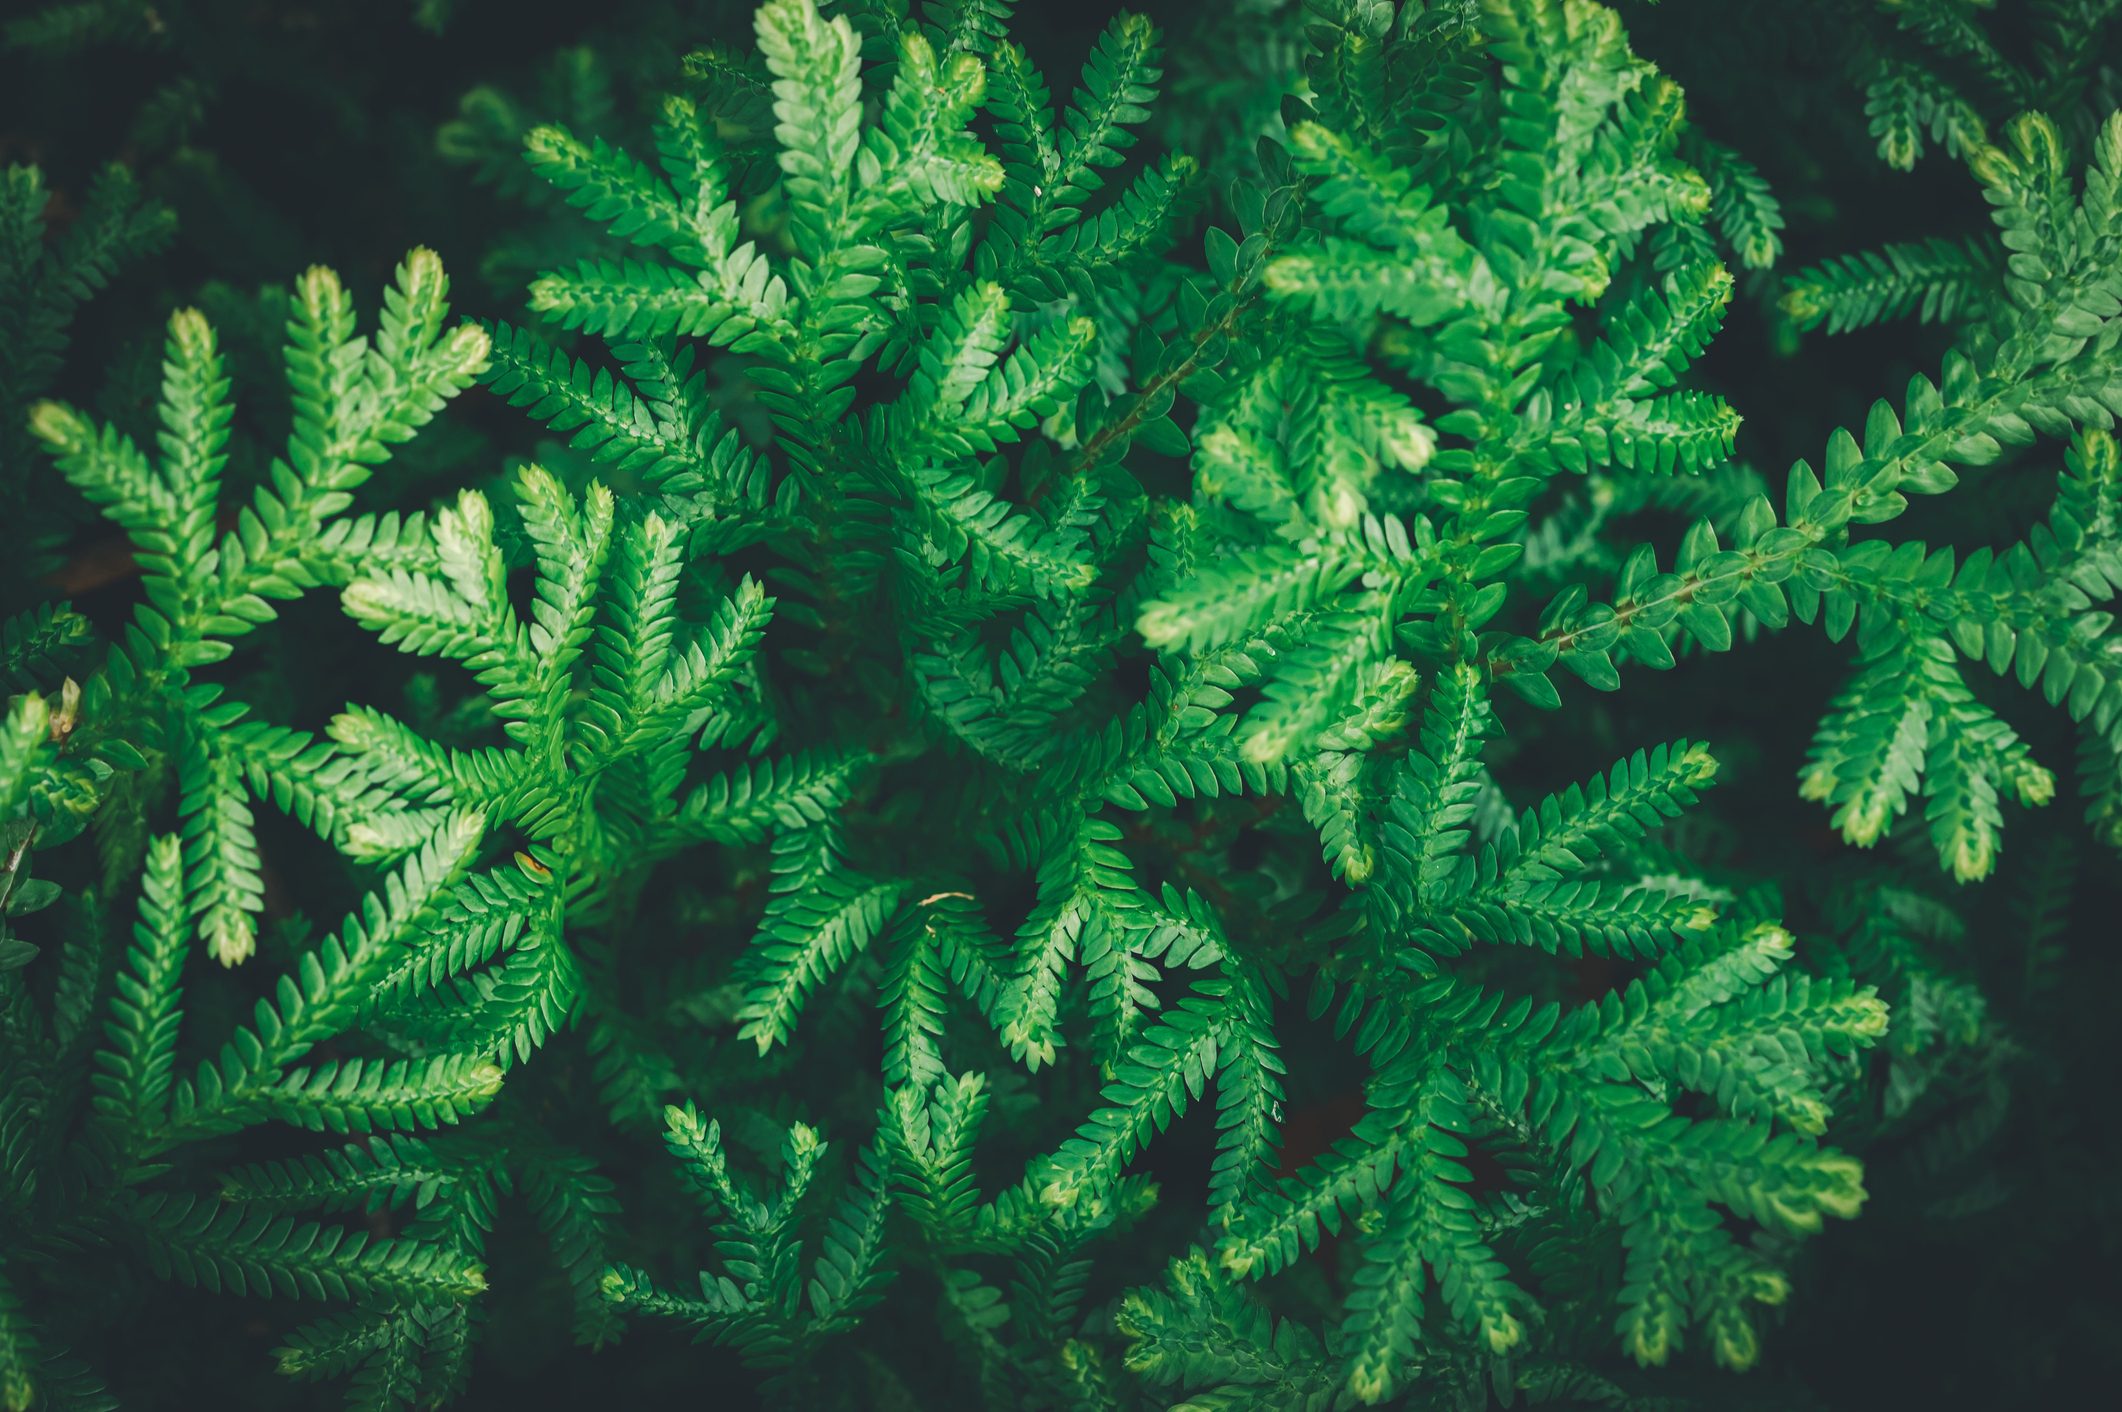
(96, 1119)
(1008, 633)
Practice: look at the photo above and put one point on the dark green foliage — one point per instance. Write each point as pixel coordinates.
(961, 784)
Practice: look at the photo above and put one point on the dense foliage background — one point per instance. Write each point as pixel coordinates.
(262, 139)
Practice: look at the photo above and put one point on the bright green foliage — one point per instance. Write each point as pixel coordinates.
(353, 400)
(764, 1306)
(1938, 281)
(997, 655)
(43, 283)
(2039, 359)
(107, 1169)
(103, 1119)
(1311, 568)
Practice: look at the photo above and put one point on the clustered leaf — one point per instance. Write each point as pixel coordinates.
(1001, 653)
